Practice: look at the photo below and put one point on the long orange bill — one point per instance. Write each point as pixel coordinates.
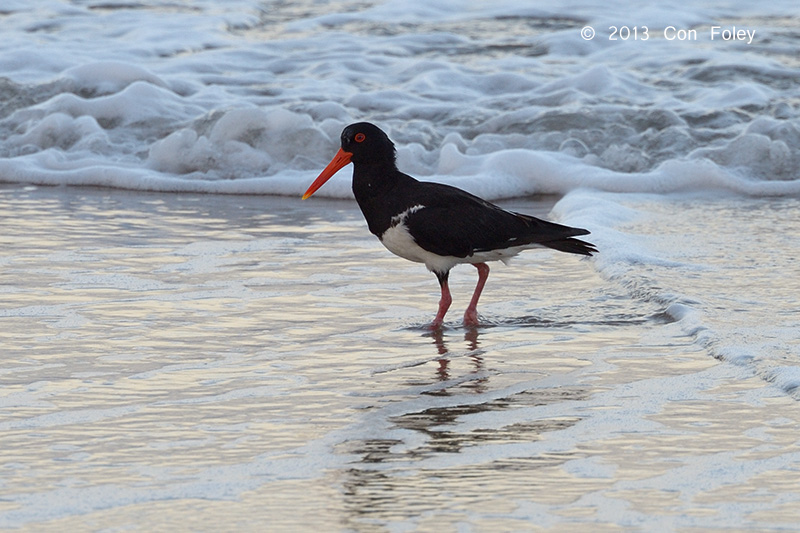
(341, 159)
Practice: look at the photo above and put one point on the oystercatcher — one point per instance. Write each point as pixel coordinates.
(435, 224)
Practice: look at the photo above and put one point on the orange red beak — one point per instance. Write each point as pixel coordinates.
(341, 159)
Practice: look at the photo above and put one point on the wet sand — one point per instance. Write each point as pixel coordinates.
(259, 363)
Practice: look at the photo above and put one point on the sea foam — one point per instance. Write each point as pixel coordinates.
(498, 99)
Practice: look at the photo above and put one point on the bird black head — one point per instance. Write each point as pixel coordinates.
(368, 144)
(362, 143)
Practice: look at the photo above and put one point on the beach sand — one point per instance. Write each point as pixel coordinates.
(211, 362)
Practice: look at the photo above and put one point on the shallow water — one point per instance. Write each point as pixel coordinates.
(724, 267)
(207, 362)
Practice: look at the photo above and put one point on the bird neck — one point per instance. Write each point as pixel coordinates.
(373, 179)
(378, 191)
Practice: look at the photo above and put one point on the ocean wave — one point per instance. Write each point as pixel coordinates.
(503, 100)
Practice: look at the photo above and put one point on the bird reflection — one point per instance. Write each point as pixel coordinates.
(473, 349)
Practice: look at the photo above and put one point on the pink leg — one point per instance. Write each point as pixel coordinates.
(471, 314)
(444, 303)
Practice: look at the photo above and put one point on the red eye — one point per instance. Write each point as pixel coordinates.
(359, 138)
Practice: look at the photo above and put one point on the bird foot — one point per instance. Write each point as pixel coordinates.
(471, 318)
(436, 325)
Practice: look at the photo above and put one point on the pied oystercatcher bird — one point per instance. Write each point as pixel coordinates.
(435, 224)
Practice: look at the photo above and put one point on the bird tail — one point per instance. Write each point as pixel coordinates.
(572, 245)
(559, 237)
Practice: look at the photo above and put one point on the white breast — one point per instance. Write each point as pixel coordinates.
(398, 240)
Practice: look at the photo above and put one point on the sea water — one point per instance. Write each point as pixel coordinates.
(676, 147)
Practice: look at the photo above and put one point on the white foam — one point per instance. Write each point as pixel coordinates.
(104, 77)
(151, 106)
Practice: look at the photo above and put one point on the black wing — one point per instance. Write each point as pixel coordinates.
(456, 223)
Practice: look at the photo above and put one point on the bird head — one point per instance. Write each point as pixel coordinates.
(362, 143)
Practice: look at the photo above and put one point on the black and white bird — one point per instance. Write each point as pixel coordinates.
(435, 224)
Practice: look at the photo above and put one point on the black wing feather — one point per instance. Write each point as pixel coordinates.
(456, 223)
